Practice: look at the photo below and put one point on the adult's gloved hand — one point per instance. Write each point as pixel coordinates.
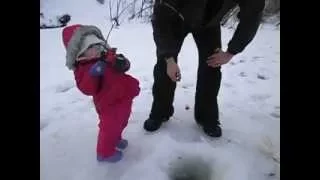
(98, 68)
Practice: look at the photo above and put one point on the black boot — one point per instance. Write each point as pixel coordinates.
(213, 131)
(153, 124)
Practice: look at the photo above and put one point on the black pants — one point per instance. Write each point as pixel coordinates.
(208, 81)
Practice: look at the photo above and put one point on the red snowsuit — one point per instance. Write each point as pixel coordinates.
(112, 95)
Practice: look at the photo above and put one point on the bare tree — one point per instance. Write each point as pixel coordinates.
(271, 13)
(143, 9)
(135, 9)
(119, 10)
(121, 6)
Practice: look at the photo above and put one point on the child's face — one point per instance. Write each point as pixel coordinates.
(91, 52)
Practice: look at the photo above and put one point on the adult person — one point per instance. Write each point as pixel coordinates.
(172, 20)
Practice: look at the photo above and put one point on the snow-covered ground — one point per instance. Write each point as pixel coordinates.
(249, 107)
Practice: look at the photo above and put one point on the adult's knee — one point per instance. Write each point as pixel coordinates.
(213, 73)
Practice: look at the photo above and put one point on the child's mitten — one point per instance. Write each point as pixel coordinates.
(122, 64)
(98, 68)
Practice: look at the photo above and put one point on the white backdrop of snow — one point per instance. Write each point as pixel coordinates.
(249, 108)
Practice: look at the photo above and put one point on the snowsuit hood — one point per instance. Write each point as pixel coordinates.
(74, 37)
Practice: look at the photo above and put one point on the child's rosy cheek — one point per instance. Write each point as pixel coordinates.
(94, 52)
(91, 52)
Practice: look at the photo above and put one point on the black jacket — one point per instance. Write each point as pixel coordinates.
(170, 16)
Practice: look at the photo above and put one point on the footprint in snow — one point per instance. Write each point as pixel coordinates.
(271, 174)
(65, 87)
(75, 101)
(242, 61)
(243, 74)
(275, 114)
(260, 97)
(262, 77)
(227, 85)
(184, 87)
(256, 58)
(187, 86)
(43, 125)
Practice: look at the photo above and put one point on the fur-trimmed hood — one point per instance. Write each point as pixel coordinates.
(73, 37)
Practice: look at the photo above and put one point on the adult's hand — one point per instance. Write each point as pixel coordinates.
(219, 58)
(173, 70)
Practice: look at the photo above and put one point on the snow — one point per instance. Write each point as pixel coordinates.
(249, 108)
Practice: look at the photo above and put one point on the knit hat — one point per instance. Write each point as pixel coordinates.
(67, 33)
(77, 38)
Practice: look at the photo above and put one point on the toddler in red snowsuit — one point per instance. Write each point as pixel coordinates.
(100, 72)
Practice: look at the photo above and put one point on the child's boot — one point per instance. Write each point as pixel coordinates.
(117, 156)
(123, 144)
